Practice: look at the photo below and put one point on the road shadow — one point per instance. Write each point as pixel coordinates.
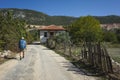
(80, 68)
(35, 43)
(71, 67)
(10, 58)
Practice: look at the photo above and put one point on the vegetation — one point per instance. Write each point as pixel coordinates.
(39, 18)
(108, 19)
(112, 35)
(35, 35)
(62, 38)
(85, 29)
(114, 54)
(58, 40)
(12, 29)
(117, 32)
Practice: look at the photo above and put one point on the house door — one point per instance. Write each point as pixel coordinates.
(51, 34)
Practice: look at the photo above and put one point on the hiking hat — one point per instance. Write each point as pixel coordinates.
(22, 37)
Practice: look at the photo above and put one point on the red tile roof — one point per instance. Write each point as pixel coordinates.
(52, 27)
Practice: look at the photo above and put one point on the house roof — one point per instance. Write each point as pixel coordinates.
(52, 27)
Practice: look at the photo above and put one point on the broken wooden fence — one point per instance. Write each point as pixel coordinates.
(97, 56)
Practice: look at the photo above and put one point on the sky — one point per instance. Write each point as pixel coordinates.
(75, 8)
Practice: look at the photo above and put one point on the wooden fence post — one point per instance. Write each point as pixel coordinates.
(95, 55)
(70, 50)
(85, 51)
(108, 62)
(99, 55)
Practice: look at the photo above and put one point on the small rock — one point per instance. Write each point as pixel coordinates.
(5, 53)
(2, 56)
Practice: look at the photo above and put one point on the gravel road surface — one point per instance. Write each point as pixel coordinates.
(41, 63)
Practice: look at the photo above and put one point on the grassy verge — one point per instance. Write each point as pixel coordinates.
(114, 53)
(113, 50)
(112, 45)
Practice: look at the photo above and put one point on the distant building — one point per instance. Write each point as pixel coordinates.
(32, 26)
(49, 31)
(110, 26)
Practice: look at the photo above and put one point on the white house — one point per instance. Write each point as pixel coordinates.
(49, 31)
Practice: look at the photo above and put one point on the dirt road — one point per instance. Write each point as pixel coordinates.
(41, 63)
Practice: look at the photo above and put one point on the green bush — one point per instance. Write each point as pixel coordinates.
(110, 37)
(12, 29)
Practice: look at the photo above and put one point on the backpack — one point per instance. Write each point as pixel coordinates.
(22, 44)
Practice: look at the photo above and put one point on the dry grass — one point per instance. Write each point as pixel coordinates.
(114, 53)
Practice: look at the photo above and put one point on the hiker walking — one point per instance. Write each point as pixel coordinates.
(22, 46)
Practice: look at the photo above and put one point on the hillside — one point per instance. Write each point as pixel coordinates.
(39, 18)
(108, 19)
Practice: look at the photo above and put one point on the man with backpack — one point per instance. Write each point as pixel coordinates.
(22, 46)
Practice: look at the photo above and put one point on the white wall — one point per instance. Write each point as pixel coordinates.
(44, 39)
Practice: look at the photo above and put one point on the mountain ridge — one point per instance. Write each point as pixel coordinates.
(40, 18)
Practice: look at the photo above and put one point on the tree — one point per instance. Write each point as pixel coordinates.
(62, 38)
(85, 29)
(116, 33)
(12, 29)
(110, 37)
(34, 34)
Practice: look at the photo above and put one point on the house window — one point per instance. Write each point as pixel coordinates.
(45, 34)
(51, 33)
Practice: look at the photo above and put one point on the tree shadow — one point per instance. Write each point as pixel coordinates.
(6, 57)
(80, 68)
(71, 67)
(35, 44)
